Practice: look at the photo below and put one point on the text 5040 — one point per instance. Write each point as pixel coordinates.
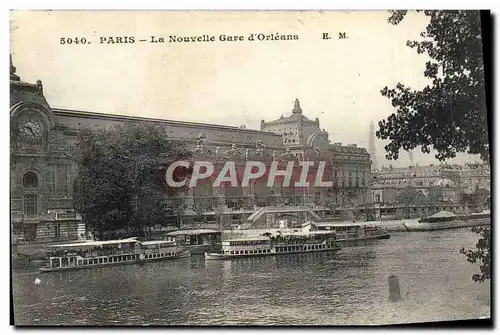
(73, 40)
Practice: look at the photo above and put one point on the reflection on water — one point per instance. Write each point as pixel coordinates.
(347, 287)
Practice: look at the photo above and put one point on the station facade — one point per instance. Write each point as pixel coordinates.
(43, 168)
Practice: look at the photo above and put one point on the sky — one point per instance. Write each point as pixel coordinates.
(232, 83)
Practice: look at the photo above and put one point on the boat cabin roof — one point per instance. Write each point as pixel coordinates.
(95, 243)
(294, 233)
(485, 212)
(193, 232)
(321, 232)
(338, 224)
(250, 238)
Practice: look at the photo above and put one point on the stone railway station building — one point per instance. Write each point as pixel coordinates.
(42, 168)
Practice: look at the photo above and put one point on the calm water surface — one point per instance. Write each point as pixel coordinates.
(349, 287)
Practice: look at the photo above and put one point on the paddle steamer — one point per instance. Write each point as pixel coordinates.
(92, 254)
(275, 245)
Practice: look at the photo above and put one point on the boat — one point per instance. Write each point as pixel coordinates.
(447, 220)
(198, 241)
(477, 219)
(348, 231)
(269, 244)
(93, 254)
(161, 250)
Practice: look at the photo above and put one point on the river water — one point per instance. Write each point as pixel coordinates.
(347, 288)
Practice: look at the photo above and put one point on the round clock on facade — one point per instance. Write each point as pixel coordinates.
(30, 130)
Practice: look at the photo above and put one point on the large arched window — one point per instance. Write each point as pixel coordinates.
(30, 180)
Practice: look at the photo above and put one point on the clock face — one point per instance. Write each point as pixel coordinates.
(30, 130)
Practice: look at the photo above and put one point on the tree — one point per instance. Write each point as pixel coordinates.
(467, 200)
(480, 196)
(411, 197)
(450, 114)
(481, 254)
(121, 183)
(435, 195)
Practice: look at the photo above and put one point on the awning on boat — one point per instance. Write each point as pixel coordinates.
(443, 214)
(95, 243)
(193, 232)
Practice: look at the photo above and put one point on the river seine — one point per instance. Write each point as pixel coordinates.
(347, 288)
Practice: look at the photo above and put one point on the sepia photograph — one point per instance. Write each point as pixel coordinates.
(250, 168)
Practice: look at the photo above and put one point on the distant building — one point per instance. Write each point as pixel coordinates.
(445, 182)
(419, 175)
(470, 177)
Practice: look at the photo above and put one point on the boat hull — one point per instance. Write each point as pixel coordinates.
(182, 254)
(88, 266)
(414, 227)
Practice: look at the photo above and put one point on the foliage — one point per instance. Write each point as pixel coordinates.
(121, 177)
(481, 254)
(480, 195)
(411, 196)
(435, 194)
(450, 113)
(478, 198)
(466, 199)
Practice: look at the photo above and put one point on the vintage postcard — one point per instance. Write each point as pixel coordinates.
(249, 168)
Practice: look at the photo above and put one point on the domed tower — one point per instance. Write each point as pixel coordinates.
(296, 108)
(31, 125)
(25, 92)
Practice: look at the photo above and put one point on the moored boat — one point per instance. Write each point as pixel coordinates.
(161, 250)
(477, 219)
(198, 241)
(446, 220)
(93, 254)
(348, 231)
(274, 245)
